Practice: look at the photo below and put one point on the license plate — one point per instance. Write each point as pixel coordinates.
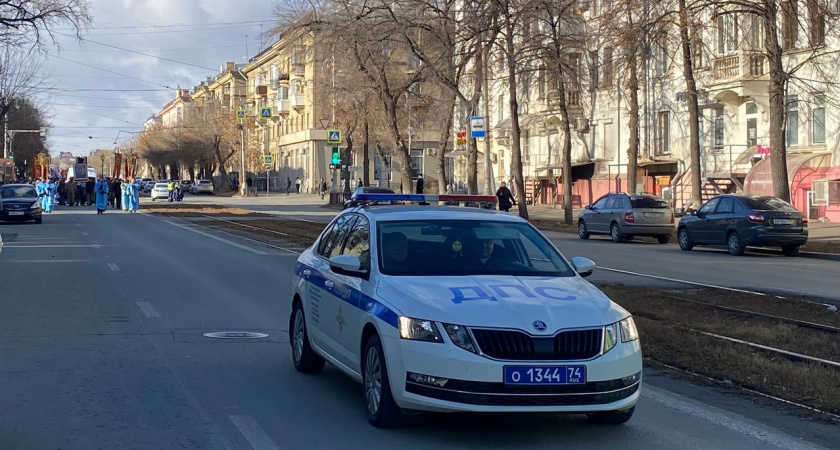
(654, 214)
(15, 213)
(531, 375)
(784, 221)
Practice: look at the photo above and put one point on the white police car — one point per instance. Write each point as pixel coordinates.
(460, 309)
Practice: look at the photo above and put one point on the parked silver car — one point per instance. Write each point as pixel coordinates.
(623, 216)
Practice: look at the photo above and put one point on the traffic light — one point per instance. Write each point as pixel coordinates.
(336, 156)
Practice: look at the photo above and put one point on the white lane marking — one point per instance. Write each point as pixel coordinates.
(676, 280)
(722, 418)
(85, 233)
(40, 261)
(243, 247)
(113, 267)
(148, 309)
(253, 432)
(54, 246)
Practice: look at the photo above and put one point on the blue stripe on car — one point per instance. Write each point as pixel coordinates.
(349, 295)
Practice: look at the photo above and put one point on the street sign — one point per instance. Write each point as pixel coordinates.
(240, 114)
(266, 112)
(325, 123)
(355, 168)
(460, 138)
(267, 159)
(43, 131)
(477, 127)
(333, 136)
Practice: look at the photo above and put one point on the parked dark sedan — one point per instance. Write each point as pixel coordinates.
(739, 221)
(20, 202)
(353, 201)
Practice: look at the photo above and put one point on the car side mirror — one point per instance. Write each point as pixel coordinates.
(346, 264)
(583, 266)
(587, 207)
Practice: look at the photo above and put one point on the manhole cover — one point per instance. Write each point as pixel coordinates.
(235, 335)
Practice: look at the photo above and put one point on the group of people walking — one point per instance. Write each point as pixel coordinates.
(117, 193)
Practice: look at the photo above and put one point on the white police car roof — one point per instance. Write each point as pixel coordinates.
(418, 212)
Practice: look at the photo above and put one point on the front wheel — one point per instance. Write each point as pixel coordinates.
(304, 358)
(684, 240)
(582, 233)
(612, 417)
(382, 411)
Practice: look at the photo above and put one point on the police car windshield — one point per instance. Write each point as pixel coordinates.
(466, 247)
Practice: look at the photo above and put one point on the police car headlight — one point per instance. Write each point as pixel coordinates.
(610, 336)
(628, 330)
(460, 337)
(419, 330)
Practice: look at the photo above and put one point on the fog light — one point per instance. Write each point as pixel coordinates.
(428, 379)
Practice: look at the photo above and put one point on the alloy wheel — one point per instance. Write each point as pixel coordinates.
(298, 335)
(373, 381)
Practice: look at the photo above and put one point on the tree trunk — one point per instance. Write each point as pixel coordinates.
(516, 132)
(445, 134)
(693, 108)
(568, 212)
(224, 179)
(366, 156)
(472, 144)
(633, 105)
(401, 150)
(778, 81)
(346, 160)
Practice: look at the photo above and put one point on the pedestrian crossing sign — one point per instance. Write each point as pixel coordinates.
(267, 159)
(333, 136)
(240, 114)
(266, 113)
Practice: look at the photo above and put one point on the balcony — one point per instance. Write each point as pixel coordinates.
(298, 70)
(282, 106)
(297, 101)
(742, 66)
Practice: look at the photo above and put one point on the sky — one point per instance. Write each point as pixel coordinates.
(102, 88)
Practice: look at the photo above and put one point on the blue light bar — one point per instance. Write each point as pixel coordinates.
(427, 198)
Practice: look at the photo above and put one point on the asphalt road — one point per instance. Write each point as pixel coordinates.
(644, 256)
(102, 323)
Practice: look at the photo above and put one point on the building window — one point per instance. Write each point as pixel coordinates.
(663, 133)
(697, 48)
(719, 129)
(501, 109)
(596, 143)
(756, 33)
(594, 65)
(790, 27)
(816, 23)
(819, 118)
(792, 125)
(661, 55)
(727, 29)
(526, 147)
(607, 68)
(541, 82)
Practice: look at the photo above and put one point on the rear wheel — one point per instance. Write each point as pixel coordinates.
(684, 240)
(381, 409)
(304, 358)
(612, 417)
(664, 239)
(790, 250)
(733, 243)
(582, 233)
(615, 233)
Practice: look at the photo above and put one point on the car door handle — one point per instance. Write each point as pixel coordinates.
(329, 284)
(307, 272)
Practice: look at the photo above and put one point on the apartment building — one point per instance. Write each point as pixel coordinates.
(733, 79)
(225, 92)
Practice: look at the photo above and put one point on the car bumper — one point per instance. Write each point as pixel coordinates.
(771, 239)
(159, 195)
(476, 383)
(648, 230)
(8, 216)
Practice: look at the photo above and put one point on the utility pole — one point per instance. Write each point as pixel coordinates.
(6, 150)
(242, 185)
(489, 184)
(336, 170)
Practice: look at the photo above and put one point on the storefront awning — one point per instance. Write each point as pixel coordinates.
(664, 167)
(580, 170)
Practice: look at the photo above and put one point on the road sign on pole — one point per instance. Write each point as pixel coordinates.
(477, 127)
(325, 123)
(266, 112)
(267, 160)
(240, 114)
(334, 136)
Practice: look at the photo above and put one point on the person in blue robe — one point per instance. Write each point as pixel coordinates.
(124, 186)
(135, 192)
(50, 190)
(128, 196)
(41, 189)
(101, 190)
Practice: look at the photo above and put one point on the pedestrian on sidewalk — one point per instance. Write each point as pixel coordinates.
(250, 183)
(323, 187)
(505, 198)
(297, 184)
(288, 185)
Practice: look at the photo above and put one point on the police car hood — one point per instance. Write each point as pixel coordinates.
(508, 302)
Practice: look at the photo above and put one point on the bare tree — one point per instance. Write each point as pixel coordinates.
(27, 116)
(22, 76)
(32, 20)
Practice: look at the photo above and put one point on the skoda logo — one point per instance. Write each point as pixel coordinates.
(539, 325)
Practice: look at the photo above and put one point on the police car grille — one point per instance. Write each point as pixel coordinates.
(517, 345)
